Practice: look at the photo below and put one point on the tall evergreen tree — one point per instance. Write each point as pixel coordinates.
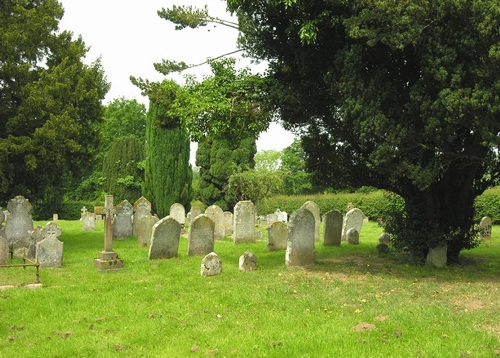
(168, 174)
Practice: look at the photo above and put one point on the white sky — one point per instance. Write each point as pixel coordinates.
(129, 37)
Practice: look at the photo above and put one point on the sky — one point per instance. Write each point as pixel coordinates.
(130, 37)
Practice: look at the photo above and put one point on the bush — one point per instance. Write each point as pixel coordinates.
(488, 204)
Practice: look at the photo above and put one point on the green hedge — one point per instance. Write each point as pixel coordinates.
(71, 210)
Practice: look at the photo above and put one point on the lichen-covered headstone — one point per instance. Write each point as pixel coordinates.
(248, 261)
(216, 214)
(20, 223)
(165, 239)
(122, 223)
(277, 236)
(315, 210)
(201, 236)
(332, 235)
(244, 222)
(352, 237)
(300, 247)
(353, 220)
(142, 207)
(145, 229)
(485, 226)
(228, 223)
(49, 251)
(211, 265)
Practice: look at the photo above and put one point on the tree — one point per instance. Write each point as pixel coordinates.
(168, 174)
(268, 160)
(50, 105)
(397, 95)
(296, 179)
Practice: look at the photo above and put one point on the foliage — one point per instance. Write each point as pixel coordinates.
(389, 94)
(293, 164)
(168, 175)
(267, 160)
(488, 204)
(122, 169)
(50, 104)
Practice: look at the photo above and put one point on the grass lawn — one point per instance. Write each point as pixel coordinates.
(351, 303)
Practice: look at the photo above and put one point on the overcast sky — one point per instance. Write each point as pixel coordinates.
(129, 37)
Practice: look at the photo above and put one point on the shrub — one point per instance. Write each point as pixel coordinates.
(488, 204)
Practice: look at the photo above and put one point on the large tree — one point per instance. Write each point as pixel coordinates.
(399, 95)
(50, 105)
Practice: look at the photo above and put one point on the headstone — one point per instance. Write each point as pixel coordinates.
(165, 239)
(436, 256)
(20, 223)
(282, 215)
(98, 210)
(88, 221)
(108, 259)
(83, 210)
(216, 214)
(211, 265)
(178, 212)
(194, 212)
(382, 249)
(248, 261)
(301, 231)
(353, 219)
(201, 236)
(37, 235)
(244, 222)
(277, 236)
(485, 228)
(332, 223)
(315, 210)
(145, 229)
(270, 218)
(49, 251)
(228, 223)
(4, 247)
(122, 223)
(384, 238)
(55, 217)
(352, 237)
(142, 207)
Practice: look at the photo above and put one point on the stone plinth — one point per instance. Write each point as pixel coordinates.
(108, 261)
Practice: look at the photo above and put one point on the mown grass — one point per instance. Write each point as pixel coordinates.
(351, 303)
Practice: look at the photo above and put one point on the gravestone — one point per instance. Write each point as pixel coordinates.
(211, 265)
(4, 247)
(382, 249)
(142, 207)
(216, 214)
(37, 235)
(122, 223)
(352, 237)
(83, 211)
(332, 223)
(353, 219)
(300, 245)
(165, 239)
(98, 212)
(244, 222)
(270, 218)
(108, 259)
(436, 256)
(314, 209)
(282, 215)
(201, 236)
(145, 229)
(178, 212)
(228, 223)
(277, 236)
(194, 212)
(485, 226)
(49, 251)
(88, 221)
(55, 217)
(384, 238)
(19, 223)
(248, 261)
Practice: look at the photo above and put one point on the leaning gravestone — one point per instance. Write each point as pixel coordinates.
(332, 235)
(88, 221)
(300, 246)
(352, 220)
(145, 229)
(178, 212)
(165, 239)
(19, 224)
(215, 213)
(228, 223)
(315, 210)
(277, 236)
(352, 237)
(49, 251)
(142, 207)
(244, 222)
(211, 265)
(485, 228)
(201, 236)
(122, 223)
(248, 261)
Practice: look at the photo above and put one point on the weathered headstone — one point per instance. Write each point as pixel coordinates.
(55, 217)
(88, 221)
(194, 212)
(201, 236)
(20, 223)
(49, 251)
(485, 226)
(282, 215)
(277, 236)
(248, 261)
(382, 249)
(98, 212)
(384, 238)
(228, 223)
(37, 235)
(332, 223)
(145, 229)
(142, 207)
(352, 236)
(4, 247)
(108, 259)
(165, 239)
(315, 210)
(244, 222)
(122, 223)
(353, 219)
(83, 210)
(270, 218)
(300, 247)
(436, 256)
(216, 214)
(211, 265)
(178, 212)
